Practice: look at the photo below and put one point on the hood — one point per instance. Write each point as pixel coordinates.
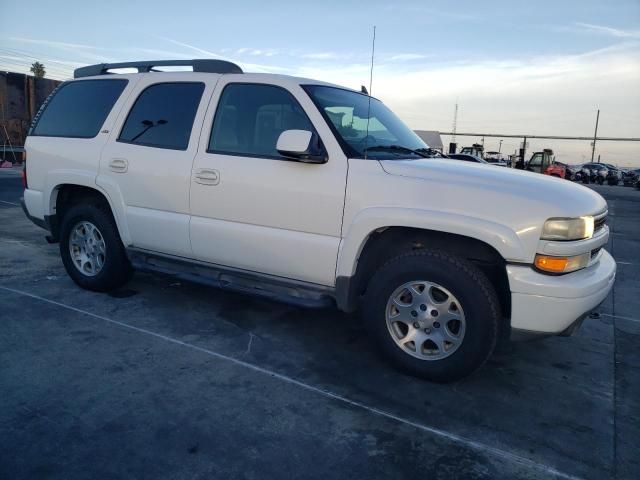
(517, 188)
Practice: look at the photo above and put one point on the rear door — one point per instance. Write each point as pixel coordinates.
(253, 209)
(147, 162)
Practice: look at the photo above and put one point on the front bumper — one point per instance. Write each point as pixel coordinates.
(550, 305)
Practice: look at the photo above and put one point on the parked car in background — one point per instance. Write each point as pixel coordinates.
(594, 173)
(466, 158)
(614, 174)
(630, 177)
(573, 172)
(496, 158)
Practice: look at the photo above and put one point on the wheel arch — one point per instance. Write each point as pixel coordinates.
(63, 195)
(385, 243)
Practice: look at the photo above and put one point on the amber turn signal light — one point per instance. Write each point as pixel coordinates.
(550, 264)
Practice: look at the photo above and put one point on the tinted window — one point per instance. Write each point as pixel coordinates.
(163, 116)
(78, 109)
(250, 118)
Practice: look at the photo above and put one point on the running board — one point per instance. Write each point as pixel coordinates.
(280, 289)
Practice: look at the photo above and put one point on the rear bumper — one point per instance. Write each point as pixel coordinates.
(556, 305)
(42, 223)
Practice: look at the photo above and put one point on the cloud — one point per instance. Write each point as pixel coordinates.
(609, 31)
(553, 95)
(52, 43)
(324, 56)
(401, 57)
(208, 53)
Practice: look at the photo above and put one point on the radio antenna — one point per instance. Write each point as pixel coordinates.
(373, 51)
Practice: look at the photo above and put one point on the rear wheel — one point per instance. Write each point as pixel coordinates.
(91, 249)
(433, 314)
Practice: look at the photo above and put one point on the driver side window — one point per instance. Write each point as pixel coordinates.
(251, 117)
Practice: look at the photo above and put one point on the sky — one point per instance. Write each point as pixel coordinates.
(514, 67)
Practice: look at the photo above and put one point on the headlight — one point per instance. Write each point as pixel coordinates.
(559, 265)
(568, 228)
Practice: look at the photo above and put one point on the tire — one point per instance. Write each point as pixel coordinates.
(453, 276)
(600, 180)
(114, 270)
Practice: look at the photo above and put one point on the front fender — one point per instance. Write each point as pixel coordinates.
(503, 239)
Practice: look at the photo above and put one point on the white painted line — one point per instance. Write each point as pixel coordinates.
(481, 447)
(624, 263)
(10, 203)
(637, 320)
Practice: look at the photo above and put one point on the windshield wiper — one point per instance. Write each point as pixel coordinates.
(432, 153)
(395, 148)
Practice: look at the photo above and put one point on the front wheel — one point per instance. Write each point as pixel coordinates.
(91, 249)
(433, 314)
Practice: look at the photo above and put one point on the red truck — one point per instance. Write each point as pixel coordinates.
(544, 162)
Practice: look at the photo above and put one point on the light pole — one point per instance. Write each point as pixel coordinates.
(500, 147)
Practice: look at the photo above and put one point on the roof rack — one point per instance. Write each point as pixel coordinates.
(198, 65)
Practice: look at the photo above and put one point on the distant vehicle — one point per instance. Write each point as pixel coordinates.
(614, 174)
(476, 150)
(594, 173)
(574, 172)
(466, 158)
(544, 162)
(630, 177)
(497, 158)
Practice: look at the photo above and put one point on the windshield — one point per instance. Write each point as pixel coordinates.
(362, 135)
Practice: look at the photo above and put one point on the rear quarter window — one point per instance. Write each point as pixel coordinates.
(78, 109)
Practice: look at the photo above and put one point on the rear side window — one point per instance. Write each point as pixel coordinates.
(163, 115)
(78, 109)
(251, 117)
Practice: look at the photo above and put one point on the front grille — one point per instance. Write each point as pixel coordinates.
(599, 221)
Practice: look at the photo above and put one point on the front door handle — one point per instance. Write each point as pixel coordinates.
(118, 165)
(206, 176)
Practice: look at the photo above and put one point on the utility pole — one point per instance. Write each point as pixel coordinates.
(595, 135)
(452, 144)
(500, 147)
(455, 122)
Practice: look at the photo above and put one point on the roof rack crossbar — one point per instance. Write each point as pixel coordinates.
(198, 65)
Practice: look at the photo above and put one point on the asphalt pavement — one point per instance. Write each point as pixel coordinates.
(166, 379)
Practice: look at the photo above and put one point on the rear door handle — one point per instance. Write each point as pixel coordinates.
(206, 176)
(118, 165)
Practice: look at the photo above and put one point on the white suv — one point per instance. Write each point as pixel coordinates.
(315, 194)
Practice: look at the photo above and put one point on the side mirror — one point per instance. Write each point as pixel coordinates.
(302, 146)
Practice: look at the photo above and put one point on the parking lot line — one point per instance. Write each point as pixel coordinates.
(630, 319)
(478, 446)
(10, 203)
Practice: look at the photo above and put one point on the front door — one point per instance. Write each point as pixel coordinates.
(253, 209)
(148, 162)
